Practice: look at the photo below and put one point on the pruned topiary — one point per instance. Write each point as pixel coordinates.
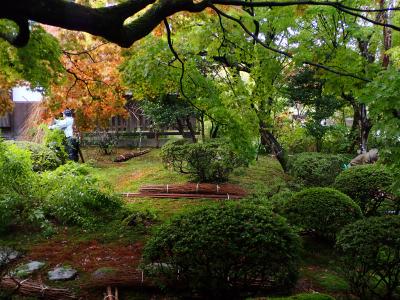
(321, 211)
(211, 161)
(221, 250)
(367, 185)
(316, 169)
(370, 257)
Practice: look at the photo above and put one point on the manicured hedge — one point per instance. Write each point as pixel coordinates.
(316, 169)
(321, 211)
(220, 250)
(370, 257)
(367, 185)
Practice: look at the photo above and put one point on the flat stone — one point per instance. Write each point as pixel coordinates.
(104, 272)
(7, 255)
(62, 273)
(27, 269)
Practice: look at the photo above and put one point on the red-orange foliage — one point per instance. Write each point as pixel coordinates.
(92, 85)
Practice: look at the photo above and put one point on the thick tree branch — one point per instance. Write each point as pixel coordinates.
(23, 35)
(111, 22)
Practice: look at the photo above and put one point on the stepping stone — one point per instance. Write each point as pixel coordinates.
(104, 272)
(7, 255)
(27, 269)
(62, 273)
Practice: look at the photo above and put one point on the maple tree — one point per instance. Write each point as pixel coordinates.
(91, 86)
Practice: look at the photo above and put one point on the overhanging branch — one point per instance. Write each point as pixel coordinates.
(284, 53)
(110, 22)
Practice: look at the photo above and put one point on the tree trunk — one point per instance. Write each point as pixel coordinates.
(180, 127)
(365, 128)
(214, 131)
(191, 130)
(268, 140)
(203, 135)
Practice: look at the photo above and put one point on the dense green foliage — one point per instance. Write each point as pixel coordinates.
(43, 158)
(17, 188)
(211, 161)
(321, 211)
(167, 111)
(316, 169)
(56, 141)
(384, 102)
(368, 185)
(370, 252)
(220, 250)
(73, 197)
(305, 88)
(68, 195)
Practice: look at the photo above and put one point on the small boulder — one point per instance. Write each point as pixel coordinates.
(28, 268)
(7, 255)
(62, 273)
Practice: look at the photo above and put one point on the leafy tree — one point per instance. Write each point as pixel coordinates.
(170, 111)
(304, 88)
(37, 64)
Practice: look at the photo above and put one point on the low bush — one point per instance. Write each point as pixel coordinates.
(368, 185)
(55, 140)
(43, 158)
(321, 211)
(73, 197)
(106, 141)
(280, 200)
(370, 257)
(219, 251)
(316, 169)
(17, 185)
(296, 140)
(211, 161)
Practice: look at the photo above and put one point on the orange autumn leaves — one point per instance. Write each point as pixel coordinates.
(92, 85)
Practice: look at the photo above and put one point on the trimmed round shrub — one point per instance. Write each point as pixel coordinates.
(370, 257)
(321, 211)
(211, 161)
(279, 200)
(367, 185)
(43, 158)
(221, 250)
(316, 169)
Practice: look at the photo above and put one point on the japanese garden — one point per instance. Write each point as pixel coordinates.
(210, 149)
